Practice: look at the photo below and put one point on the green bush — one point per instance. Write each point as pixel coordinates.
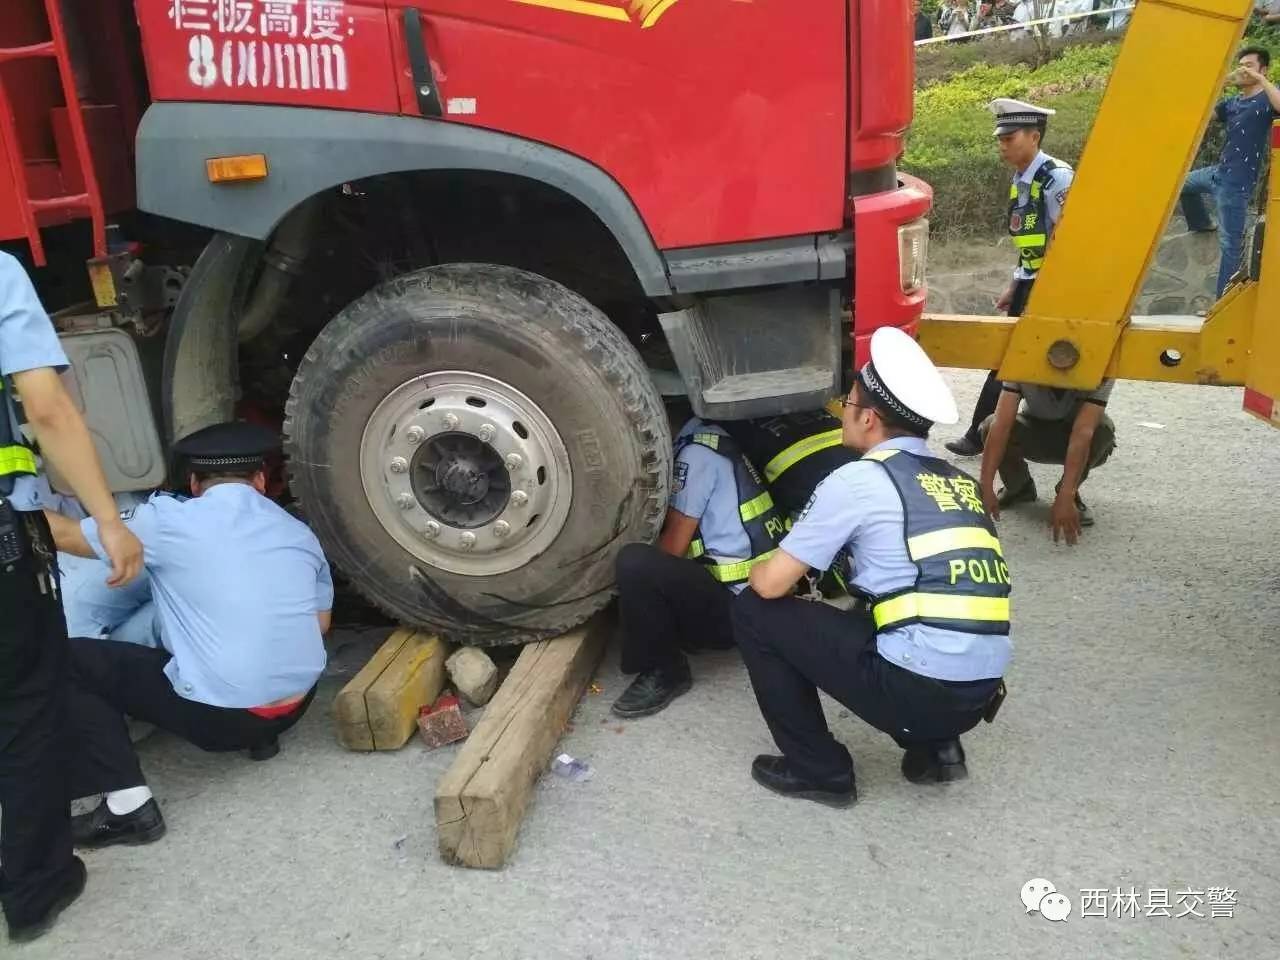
(940, 62)
(951, 144)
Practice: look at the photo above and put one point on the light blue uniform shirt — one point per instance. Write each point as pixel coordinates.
(237, 584)
(858, 507)
(1062, 177)
(27, 342)
(704, 489)
(91, 608)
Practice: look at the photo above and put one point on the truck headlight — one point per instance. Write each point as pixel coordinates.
(913, 254)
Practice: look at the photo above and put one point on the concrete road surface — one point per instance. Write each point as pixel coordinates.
(1138, 748)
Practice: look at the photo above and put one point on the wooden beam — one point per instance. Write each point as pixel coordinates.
(482, 799)
(378, 708)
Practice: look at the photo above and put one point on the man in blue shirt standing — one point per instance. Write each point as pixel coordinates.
(243, 597)
(1232, 179)
(922, 657)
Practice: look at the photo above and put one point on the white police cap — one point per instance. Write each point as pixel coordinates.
(902, 378)
(1014, 115)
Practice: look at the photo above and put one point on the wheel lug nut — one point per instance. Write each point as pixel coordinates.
(451, 421)
(519, 498)
(514, 461)
(467, 540)
(415, 435)
(501, 529)
(399, 465)
(405, 501)
(486, 433)
(431, 530)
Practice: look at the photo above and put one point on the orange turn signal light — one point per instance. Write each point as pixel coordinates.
(250, 166)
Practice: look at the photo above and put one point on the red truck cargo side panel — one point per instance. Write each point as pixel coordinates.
(309, 53)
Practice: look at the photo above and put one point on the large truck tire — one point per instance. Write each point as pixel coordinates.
(473, 444)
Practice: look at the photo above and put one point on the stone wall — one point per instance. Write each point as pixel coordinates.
(966, 277)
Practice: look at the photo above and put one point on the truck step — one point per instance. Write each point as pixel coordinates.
(777, 385)
(758, 354)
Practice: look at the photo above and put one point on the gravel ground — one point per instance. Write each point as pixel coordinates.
(1137, 748)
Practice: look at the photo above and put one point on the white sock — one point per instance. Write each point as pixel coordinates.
(121, 802)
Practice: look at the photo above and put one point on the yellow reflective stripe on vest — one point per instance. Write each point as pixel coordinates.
(16, 459)
(755, 507)
(789, 457)
(731, 572)
(696, 549)
(881, 455)
(927, 545)
(938, 606)
(1030, 240)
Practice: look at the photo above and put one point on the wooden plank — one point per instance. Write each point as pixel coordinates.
(482, 799)
(411, 681)
(378, 708)
(349, 711)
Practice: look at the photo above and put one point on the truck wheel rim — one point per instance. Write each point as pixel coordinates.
(466, 473)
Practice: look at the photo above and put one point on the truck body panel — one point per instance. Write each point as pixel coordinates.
(723, 121)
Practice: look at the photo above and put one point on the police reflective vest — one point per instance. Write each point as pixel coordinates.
(759, 516)
(16, 457)
(796, 452)
(963, 580)
(1029, 217)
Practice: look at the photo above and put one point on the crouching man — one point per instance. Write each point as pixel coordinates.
(242, 595)
(922, 659)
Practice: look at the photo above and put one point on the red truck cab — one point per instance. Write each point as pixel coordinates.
(679, 197)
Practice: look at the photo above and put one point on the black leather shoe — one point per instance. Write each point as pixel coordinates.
(653, 690)
(966, 446)
(776, 774)
(73, 886)
(940, 762)
(102, 828)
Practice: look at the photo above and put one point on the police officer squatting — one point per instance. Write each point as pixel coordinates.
(922, 654)
(674, 597)
(240, 598)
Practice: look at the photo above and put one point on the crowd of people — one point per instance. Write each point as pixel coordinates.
(960, 18)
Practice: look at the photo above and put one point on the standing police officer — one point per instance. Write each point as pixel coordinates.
(674, 596)
(1039, 189)
(243, 597)
(39, 875)
(923, 657)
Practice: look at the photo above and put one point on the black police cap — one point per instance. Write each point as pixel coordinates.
(232, 445)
